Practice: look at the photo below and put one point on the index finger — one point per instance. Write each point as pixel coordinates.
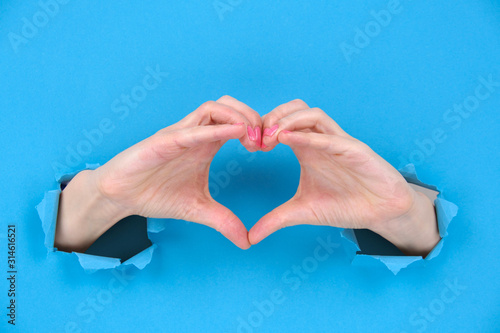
(270, 121)
(253, 140)
(167, 143)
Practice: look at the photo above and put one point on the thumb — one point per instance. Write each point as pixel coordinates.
(220, 218)
(288, 214)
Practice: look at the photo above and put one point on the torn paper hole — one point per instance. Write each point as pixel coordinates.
(47, 211)
(445, 211)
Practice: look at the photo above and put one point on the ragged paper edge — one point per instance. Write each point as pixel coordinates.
(445, 211)
(47, 211)
(92, 263)
(156, 225)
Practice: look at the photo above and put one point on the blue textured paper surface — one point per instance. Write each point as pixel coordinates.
(402, 91)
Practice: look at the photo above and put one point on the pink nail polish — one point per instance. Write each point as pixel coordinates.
(270, 131)
(251, 134)
(258, 136)
(263, 146)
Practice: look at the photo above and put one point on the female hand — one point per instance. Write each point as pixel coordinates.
(164, 176)
(343, 183)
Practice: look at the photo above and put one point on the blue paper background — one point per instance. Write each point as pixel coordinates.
(67, 75)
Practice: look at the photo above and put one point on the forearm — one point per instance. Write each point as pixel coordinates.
(84, 214)
(415, 233)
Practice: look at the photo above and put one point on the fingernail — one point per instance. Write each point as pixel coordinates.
(251, 134)
(258, 137)
(270, 131)
(263, 146)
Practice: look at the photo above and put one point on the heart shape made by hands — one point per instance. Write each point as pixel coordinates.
(343, 183)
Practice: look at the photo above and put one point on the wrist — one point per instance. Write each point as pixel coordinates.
(84, 213)
(416, 232)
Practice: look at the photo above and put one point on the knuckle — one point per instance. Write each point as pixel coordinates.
(225, 98)
(272, 119)
(361, 147)
(282, 123)
(207, 106)
(318, 111)
(161, 145)
(298, 103)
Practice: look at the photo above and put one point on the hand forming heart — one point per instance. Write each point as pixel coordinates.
(343, 182)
